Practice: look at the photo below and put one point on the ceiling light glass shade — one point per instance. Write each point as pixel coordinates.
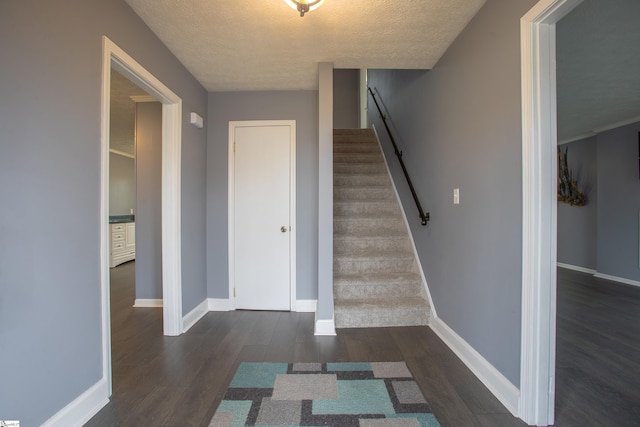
(304, 6)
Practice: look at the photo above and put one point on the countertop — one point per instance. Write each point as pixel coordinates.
(117, 219)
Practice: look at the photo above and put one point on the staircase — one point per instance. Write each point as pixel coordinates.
(376, 280)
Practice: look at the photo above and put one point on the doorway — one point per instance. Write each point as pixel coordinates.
(113, 56)
(262, 215)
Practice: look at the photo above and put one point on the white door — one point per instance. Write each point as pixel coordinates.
(262, 242)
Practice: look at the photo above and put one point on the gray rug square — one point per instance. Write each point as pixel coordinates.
(390, 422)
(221, 419)
(390, 370)
(307, 367)
(408, 392)
(305, 387)
(279, 413)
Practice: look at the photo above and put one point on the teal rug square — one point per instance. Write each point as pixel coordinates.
(348, 366)
(239, 408)
(258, 375)
(357, 397)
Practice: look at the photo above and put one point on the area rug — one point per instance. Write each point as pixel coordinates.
(324, 394)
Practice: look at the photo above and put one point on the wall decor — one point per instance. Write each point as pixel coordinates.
(568, 191)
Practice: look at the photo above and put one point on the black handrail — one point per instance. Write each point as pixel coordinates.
(423, 216)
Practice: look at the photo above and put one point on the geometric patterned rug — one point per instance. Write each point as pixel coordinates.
(324, 394)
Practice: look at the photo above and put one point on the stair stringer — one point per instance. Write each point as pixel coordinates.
(425, 287)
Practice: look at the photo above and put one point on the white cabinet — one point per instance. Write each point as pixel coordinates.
(123, 243)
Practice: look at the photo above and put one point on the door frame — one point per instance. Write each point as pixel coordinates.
(114, 56)
(539, 210)
(292, 204)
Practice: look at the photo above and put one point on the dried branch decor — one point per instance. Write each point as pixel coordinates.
(568, 191)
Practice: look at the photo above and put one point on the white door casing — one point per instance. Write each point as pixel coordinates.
(539, 234)
(114, 56)
(262, 215)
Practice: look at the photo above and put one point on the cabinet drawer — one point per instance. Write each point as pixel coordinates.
(117, 227)
(117, 236)
(116, 245)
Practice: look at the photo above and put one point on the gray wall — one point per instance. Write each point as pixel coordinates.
(577, 225)
(50, 325)
(603, 235)
(301, 106)
(149, 200)
(346, 99)
(618, 202)
(460, 127)
(122, 184)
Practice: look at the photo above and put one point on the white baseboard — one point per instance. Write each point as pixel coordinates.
(82, 408)
(600, 275)
(194, 315)
(324, 327)
(577, 268)
(139, 302)
(498, 384)
(617, 279)
(220, 304)
(305, 306)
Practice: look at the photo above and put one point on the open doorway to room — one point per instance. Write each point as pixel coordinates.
(539, 278)
(135, 258)
(171, 131)
(598, 98)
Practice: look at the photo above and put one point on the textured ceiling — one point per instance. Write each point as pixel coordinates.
(231, 45)
(598, 67)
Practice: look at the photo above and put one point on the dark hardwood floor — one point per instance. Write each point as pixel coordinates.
(179, 381)
(598, 352)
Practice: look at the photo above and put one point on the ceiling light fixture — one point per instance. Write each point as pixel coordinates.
(304, 6)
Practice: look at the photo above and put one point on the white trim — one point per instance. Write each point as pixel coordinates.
(577, 138)
(364, 99)
(539, 226)
(617, 279)
(220, 304)
(194, 315)
(114, 57)
(432, 312)
(601, 129)
(143, 98)
(292, 202)
(324, 327)
(305, 306)
(82, 408)
(577, 268)
(507, 393)
(141, 302)
(122, 153)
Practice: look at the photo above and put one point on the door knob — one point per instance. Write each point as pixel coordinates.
(283, 228)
